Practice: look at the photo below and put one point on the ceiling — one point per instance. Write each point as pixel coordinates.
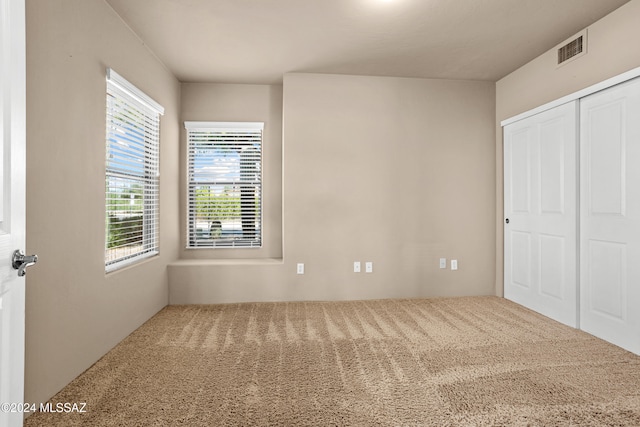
(257, 41)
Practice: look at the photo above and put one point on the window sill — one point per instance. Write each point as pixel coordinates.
(131, 262)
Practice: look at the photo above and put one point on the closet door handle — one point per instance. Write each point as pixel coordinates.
(507, 220)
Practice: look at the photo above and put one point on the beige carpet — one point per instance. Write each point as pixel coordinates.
(427, 362)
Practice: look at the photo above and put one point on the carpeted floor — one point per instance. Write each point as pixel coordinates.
(480, 361)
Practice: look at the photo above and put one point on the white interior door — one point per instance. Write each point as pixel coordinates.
(12, 208)
(540, 230)
(610, 215)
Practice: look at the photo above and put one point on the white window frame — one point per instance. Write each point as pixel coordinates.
(132, 159)
(204, 138)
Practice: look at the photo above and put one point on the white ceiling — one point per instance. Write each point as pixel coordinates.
(257, 41)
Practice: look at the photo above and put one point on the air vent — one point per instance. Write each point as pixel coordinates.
(575, 47)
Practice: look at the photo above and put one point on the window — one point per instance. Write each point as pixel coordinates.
(225, 184)
(133, 134)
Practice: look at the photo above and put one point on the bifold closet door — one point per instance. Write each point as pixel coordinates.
(540, 230)
(610, 215)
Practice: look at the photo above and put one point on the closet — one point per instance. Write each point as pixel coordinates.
(572, 212)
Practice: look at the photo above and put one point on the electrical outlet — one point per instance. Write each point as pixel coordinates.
(356, 266)
(368, 267)
(300, 269)
(454, 264)
(443, 263)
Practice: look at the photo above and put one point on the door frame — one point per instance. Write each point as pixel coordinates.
(12, 226)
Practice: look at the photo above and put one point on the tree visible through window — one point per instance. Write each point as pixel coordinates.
(131, 181)
(225, 184)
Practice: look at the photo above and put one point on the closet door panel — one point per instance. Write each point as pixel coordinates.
(552, 162)
(521, 259)
(606, 156)
(520, 162)
(552, 260)
(606, 280)
(610, 215)
(540, 206)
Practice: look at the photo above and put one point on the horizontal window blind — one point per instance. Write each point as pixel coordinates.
(132, 173)
(225, 184)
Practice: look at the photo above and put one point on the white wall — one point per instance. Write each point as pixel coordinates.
(395, 171)
(74, 312)
(612, 49)
(240, 103)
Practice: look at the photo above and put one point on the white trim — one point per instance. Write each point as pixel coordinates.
(133, 91)
(620, 78)
(118, 265)
(224, 126)
(124, 149)
(211, 134)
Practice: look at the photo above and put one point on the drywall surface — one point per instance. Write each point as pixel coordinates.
(75, 312)
(210, 102)
(394, 171)
(610, 51)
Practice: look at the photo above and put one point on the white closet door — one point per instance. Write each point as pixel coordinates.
(610, 215)
(540, 230)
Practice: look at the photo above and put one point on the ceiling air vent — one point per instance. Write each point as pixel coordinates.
(575, 47)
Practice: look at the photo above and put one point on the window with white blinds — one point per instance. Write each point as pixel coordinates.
(132, 173)
(225, 184)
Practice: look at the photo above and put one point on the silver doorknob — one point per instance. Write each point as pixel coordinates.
(21, 261)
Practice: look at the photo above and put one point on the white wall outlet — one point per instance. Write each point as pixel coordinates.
(454, 264)
(443, 263)
(300, 269)
(356, 266)
(368, 267)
